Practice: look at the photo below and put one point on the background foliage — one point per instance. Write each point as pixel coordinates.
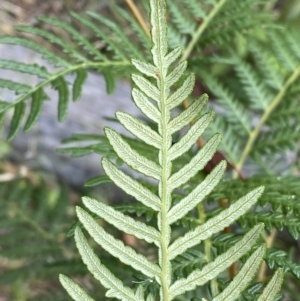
(245, 55)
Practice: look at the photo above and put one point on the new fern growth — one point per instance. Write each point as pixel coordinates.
(157, 93)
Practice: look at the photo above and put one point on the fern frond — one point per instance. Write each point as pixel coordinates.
(77, 61)
(279, 258)
(266, 89)
(268, 65)
(77, 36)
(183, 22)
(162, 176)
(283, 52)
(273, 219)
(216, 22)
(46, 54)
(257, 94)
(281, 192)
(237, 115)
(127, 46)
(233, 143)
(283, 139)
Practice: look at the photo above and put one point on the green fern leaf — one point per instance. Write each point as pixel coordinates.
(182, 93)
(145, 68)
(256, 92)
(215, 224)
(145, 106)
(176, 74)
(131, 157)
(159, 33)
(97, 55)
(171, 57)
(128, 46)
(122, 222)
(81, 76)
(117, 247)
(186, 117)
(52, 38)
(36, 107)
(130, 185)
(148, 88)
(273, 287)
(140, 130)
(198, 194)
(100, 272)
(74, 290)
(46, 54)
(191, 136)
(279, 258)
(25, 68)
(16, 120)
(11, 85)
(109, 80)
(197, 163)
(61, 86)
(222, 262)
(242, 279)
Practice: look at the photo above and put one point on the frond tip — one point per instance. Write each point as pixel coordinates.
(75, 291)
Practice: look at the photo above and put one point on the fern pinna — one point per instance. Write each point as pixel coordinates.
(156, 99)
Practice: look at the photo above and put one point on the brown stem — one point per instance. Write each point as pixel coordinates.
(263, 269)
(138, 16)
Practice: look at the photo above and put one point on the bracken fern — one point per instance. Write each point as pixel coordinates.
(156, 97)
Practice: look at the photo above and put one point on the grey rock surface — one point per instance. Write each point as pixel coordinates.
(37, 149)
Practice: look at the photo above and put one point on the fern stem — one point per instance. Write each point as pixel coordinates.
(165, 230)
(165, 196)
(201, 29)
(207, 248)
(263, 268)
(273, 104)
(138, 16)
(164, 190)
